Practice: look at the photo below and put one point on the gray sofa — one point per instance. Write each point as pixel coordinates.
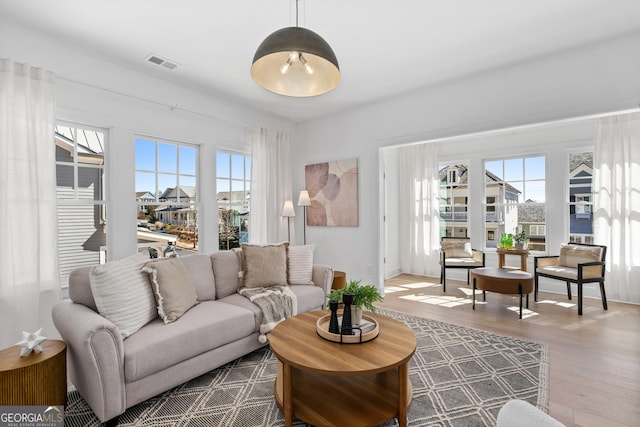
(113, 374)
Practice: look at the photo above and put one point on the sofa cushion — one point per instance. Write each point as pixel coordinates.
(205, 327)
(80, 287)
(244, 302)
(201, 274)
(456, 248)
(300, 264)
(122, 293)
(172, 288)
(226, 267)
(310, 297)
(572, 255)
(590, 272)
(463, 262)
(265, 265)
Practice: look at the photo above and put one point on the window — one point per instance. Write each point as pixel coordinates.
(233, 189)
(166, 195)
(80, 179)
(516, 199)
(454, 198)
(580, 197)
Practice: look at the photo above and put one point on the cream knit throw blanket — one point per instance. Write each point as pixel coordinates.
(276, 302)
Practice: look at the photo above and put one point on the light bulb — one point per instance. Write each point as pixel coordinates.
(293, 57)
(285, 67)
(307, 66)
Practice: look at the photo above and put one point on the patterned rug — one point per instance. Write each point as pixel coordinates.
(460, 377)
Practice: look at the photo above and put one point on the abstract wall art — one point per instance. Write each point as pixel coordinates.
(333, 190)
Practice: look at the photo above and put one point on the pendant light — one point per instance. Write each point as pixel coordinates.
(295, 61)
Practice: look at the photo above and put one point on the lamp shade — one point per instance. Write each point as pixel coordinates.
(287, 209)
(295, 61)
(303, 198)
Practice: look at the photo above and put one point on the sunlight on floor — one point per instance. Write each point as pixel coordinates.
(526, 313)
(561, 304)
(408, 286)
(443, 301)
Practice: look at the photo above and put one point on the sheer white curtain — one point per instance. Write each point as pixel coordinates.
(617, 202)
(419, 209)
(270, 185)
(28, 224)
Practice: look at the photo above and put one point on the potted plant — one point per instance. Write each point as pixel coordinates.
(363, 297)
(521, 240)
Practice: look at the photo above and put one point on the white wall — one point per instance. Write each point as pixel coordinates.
(591, 80)
(127, 103)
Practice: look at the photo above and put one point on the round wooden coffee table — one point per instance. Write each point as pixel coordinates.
(325, 383)
(502, 281)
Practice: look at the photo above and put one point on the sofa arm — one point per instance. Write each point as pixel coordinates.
(545, 261)
(518, 413)
(322, 276)
(478, 256)
(591, 270)
(95, 357)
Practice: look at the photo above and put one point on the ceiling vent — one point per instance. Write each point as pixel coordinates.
(163, 62)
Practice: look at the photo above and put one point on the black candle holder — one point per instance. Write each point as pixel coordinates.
(334, 327)
(347, 327)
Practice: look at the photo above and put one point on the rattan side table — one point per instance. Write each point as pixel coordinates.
(35, 379)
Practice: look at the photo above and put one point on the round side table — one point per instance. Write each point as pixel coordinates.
(38, 379)
(339, 280)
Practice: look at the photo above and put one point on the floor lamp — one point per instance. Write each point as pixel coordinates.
(304, 201)
(288, 212)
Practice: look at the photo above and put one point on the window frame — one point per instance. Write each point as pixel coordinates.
(244, 207)
(501, 210)
(572, 207)
(158, 172)
(76, 200)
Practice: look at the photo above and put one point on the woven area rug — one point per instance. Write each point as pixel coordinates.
(460, 377)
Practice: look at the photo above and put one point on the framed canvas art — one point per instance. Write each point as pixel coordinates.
(333, 190)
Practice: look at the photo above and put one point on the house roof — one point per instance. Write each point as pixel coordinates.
(463, 177)
(184, 191)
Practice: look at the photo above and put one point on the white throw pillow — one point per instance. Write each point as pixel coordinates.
(301, 264)
(122, 293)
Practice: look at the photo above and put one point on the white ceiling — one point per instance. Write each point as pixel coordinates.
(384, 48)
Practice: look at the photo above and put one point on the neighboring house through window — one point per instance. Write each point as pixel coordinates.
(454, 199)
(581, 197)
(166, 195)
(233, 190)
(515, 198)
(80, 182)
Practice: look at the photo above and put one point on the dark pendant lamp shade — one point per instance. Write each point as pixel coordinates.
(295, 61)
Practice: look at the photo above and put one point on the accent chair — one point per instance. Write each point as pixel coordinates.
(578, 263)
(456, 252)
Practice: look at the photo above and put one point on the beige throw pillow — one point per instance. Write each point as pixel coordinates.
(122, 293)
(572, 255)
(301, 264)
(456, 248)
(264, 265)
(172, 288)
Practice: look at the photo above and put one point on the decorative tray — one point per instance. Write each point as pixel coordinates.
(322, 327)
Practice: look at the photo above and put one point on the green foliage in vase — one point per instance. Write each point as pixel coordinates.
(520, 237)
(363, 295)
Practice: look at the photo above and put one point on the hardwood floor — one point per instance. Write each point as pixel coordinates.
(594, 373)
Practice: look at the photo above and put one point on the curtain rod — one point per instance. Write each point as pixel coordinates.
(155, 102)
